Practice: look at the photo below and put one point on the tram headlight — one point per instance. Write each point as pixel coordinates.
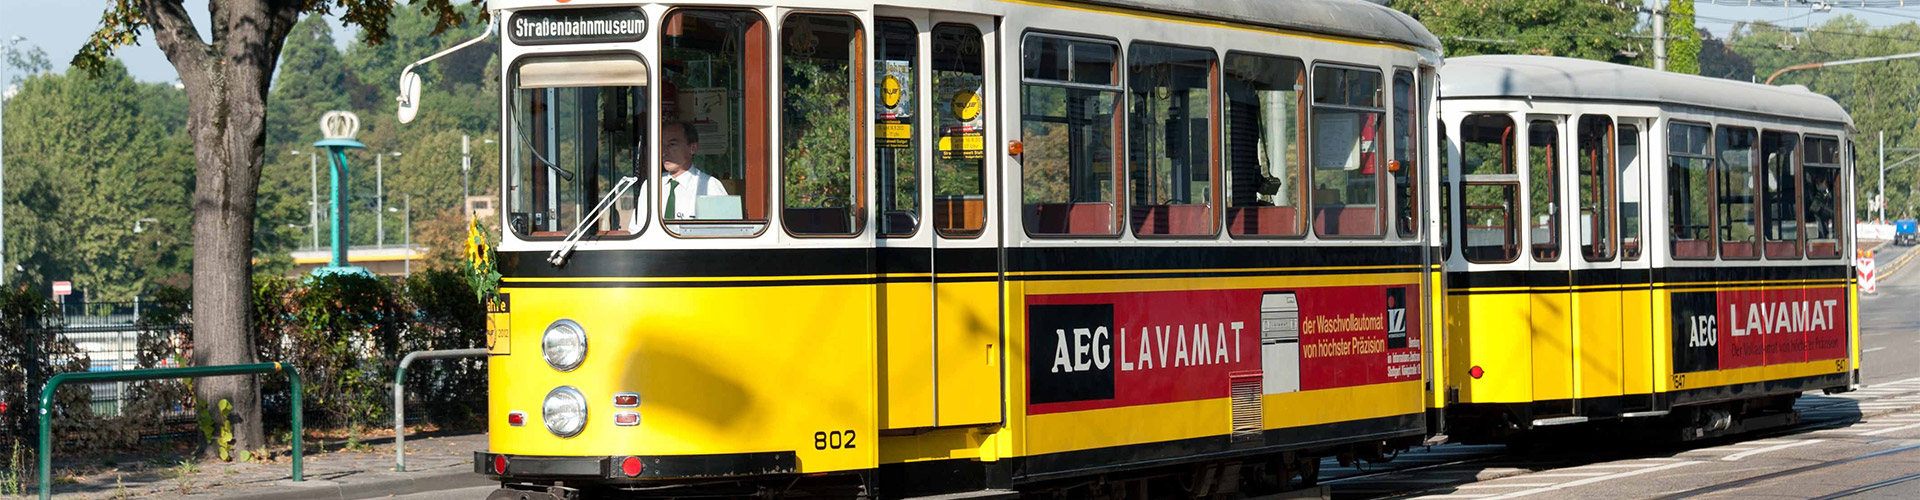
(565, 412)
(564, 345)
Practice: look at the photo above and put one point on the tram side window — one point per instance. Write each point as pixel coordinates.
(1595, 146)
(576, 131)
(1264, 112)
(1347, 132)
(1489, 221)
(1543, 186)
(959, 100)
(714, 94)
(896, 130)
(1169, 150)
(1630, 175)
(1406, 149)
(1822, 188)
(1780, 186)
(821, 169)
(1689, 213)
(1069, 105)
(1733, 191)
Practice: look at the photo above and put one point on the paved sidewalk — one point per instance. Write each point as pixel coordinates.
(433, 463)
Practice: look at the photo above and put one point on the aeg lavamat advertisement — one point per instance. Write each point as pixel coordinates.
(1091, 351)
(1737, 329)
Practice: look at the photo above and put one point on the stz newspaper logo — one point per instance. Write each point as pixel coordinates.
(1070, 351)
(1397, 318)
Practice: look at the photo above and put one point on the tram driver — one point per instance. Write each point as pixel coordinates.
(684, 185)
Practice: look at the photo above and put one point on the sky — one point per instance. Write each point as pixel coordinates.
(60, 26)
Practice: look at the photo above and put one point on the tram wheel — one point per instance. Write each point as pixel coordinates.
(1309, 469)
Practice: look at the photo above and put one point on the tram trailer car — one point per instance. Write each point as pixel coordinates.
(1644, 247)
(924, 247)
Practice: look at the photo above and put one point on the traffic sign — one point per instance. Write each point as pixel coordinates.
(62, 288)
(1865, 264)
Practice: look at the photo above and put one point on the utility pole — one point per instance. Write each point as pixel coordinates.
(380, 198)
(406, 218)
(1881, 201)
(313, 195)
(5, 83)
(1659, 36)
(466, 179)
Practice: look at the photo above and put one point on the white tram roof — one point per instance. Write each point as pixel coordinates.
(1547, 77)
(1348, 18)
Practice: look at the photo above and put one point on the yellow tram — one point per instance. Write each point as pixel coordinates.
(1630, 245)
(919, 247)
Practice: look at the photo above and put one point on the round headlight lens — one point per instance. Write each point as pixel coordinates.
(564, 345)
(565, 412)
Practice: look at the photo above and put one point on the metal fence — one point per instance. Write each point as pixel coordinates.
(108, 334)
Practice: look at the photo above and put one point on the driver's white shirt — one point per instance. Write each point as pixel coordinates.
(692, 184)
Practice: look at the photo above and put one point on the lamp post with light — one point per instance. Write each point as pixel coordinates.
(380, 197)
(313, 196)
(338, 128)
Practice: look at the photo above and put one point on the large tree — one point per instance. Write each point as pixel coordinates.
(226, 68)
(1585, 29)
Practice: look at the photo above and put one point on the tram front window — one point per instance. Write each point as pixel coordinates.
(576, 129)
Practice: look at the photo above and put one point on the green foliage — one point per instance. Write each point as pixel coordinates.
(817, 145)
(452, 391)
(216, 426)
(1580, 29)
(341, 331)
(1683, 45)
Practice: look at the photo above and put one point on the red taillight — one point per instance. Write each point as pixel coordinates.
(626, 418)
(626, 400)
(516, 419)
(500, 464)
(631, 466)
(1476, 372)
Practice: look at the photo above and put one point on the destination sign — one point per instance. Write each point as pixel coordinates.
(578, 26)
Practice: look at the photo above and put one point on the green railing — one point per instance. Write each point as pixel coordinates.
(46, 403)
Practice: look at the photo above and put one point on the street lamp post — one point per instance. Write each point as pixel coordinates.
(380, 198)
(406, 223)
(5, 82)
(466, 176)
(313, 196)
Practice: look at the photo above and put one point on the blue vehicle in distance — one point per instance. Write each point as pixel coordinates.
(1906, 232)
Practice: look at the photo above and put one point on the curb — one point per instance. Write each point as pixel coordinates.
(398, 483)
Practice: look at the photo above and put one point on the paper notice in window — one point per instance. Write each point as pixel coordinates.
(707, 109)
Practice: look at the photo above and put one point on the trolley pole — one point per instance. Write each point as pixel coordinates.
(1659, 36)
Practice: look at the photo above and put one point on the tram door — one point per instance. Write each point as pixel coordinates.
(1550, 309)
(1636, 292)
(941, 346)
(1595, 260)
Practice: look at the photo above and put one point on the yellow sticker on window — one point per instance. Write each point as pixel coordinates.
(966, 105)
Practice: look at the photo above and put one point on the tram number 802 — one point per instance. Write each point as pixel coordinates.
(836, 440)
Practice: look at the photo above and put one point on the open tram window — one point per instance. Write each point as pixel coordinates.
(1594, 144)
(1169, 150)
(1689, 214)
(712, 102)
(896, 130)
(1406, 149)
(1263, 115)
(577, 127)
(1069, 105)
(1543, 187)
(1630, 185)
(1780, 191)
(960, 101)
(1823, 190)
(1733, 191)
(1347, 132)
(1490, 185)
(820, 163)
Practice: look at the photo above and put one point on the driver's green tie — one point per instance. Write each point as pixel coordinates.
(672, 186)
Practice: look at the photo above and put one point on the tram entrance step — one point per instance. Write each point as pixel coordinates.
(1322, 492)
(972, 495)
(1543, 422)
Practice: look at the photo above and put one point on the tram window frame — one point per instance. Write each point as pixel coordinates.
(1264, 74)
(1690, 248)
(821, 222)
(1770, 227)
(1504, 182)
(1837, 191)
(1632, 236)
(755, 143)
(1447, 167)
(1180, 216)
(1726, 220)
(893, 180)
(1548, 251)
(1362, 161)
(587, 178)
(1403, 170)
(967, 216)
(1599, 229)
(1039, 218)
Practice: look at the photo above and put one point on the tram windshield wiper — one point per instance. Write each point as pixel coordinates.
(559, 255)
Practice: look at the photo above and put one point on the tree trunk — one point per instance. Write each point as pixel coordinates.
(226, 82)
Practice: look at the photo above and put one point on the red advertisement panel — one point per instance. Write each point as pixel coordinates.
(1090, 351)
(1742, 328)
